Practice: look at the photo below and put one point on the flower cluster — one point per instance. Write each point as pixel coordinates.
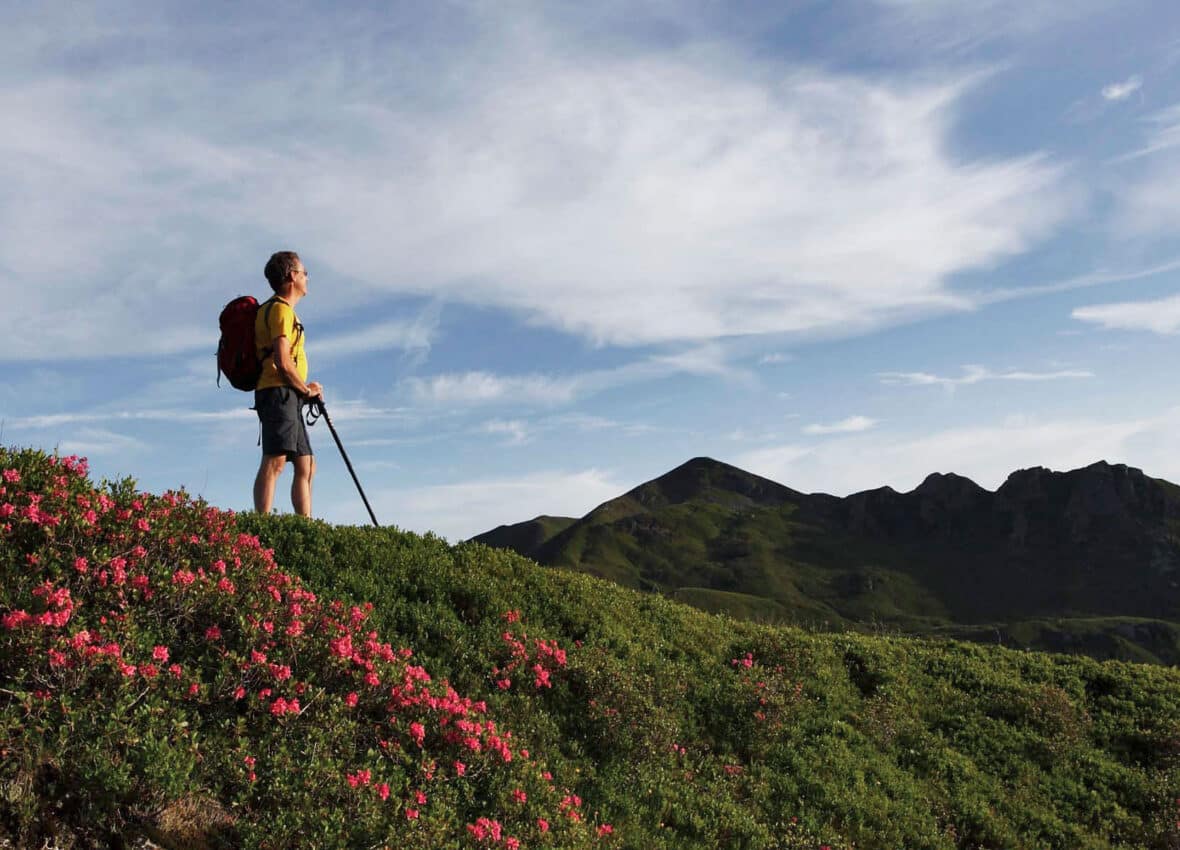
(769, 692)
(542, 659)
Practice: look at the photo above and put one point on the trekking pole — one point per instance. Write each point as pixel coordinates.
(317, 410)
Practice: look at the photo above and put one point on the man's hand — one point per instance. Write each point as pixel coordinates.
(314, 390)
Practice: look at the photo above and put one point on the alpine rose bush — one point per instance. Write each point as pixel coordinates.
(150, 653)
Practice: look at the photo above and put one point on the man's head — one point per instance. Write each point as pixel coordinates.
(282, 269)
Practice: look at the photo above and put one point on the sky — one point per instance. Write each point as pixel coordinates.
(557, 249)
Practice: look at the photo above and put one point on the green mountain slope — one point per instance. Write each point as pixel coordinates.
(1098, 546)
(417, 694)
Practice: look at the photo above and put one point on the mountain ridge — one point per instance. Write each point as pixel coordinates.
(1100, 541)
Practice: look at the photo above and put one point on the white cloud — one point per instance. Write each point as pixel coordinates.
(774, 358)
(1161, 316)
(179, 416)
(844, 426)
(484, 388)
(689, 195)
(987, 454)
(515, 431)
(461, 510)
(976, 374)
(416, 335)
(96, 442)
(473, 388)
(956, 26)
(1123, 90)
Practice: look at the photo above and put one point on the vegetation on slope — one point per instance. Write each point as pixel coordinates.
(1095, 551)
(676, 728)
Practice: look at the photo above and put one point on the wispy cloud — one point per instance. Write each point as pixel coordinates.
(95, 442)
(695, 193)
(1161, 316)
(975, 375)
(410, 335)
(1163, 133)
(986, 453)
(463, 509)
(474, 388)
(179, 416)
(485, 388)
(774, 358)
(515, 431)
(1123, 90)
(959, 27)
(845, 426)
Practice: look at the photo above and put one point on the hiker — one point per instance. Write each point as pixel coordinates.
(282, 388)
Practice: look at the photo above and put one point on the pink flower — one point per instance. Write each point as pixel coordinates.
(213, 633)
(160, 653)
(81, 565)
(542, 824)
(411, 814)
(418, 733)
(512, 843)
(15, 619)
(605, 829)
(383, 791)
(11, 476)
(351, 700)
(519, 796)
(240, 693)
(460, 769)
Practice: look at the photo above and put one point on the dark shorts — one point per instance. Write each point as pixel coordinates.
(283, 428)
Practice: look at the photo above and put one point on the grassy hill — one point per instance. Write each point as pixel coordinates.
(210, 680)
(1086, 561)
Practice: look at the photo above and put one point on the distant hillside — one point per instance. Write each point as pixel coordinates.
(1084, 561)
(527, 536)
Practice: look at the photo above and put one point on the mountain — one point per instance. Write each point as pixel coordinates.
(1086, 560)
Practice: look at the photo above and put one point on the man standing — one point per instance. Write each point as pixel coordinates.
(282, 387)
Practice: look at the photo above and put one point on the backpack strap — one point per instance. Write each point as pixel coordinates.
(270, 302)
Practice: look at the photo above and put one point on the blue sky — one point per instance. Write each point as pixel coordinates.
(557, 249)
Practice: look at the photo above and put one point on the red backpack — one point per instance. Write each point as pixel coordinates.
(237, 357)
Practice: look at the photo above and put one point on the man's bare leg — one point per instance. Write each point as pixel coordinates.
(301, 486)
(264, 483)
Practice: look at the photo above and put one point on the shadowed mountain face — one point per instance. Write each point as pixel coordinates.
(1099, 547)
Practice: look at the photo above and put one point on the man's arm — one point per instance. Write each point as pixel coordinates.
(286, 367)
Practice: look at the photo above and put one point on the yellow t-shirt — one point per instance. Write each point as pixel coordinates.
(275, 319)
